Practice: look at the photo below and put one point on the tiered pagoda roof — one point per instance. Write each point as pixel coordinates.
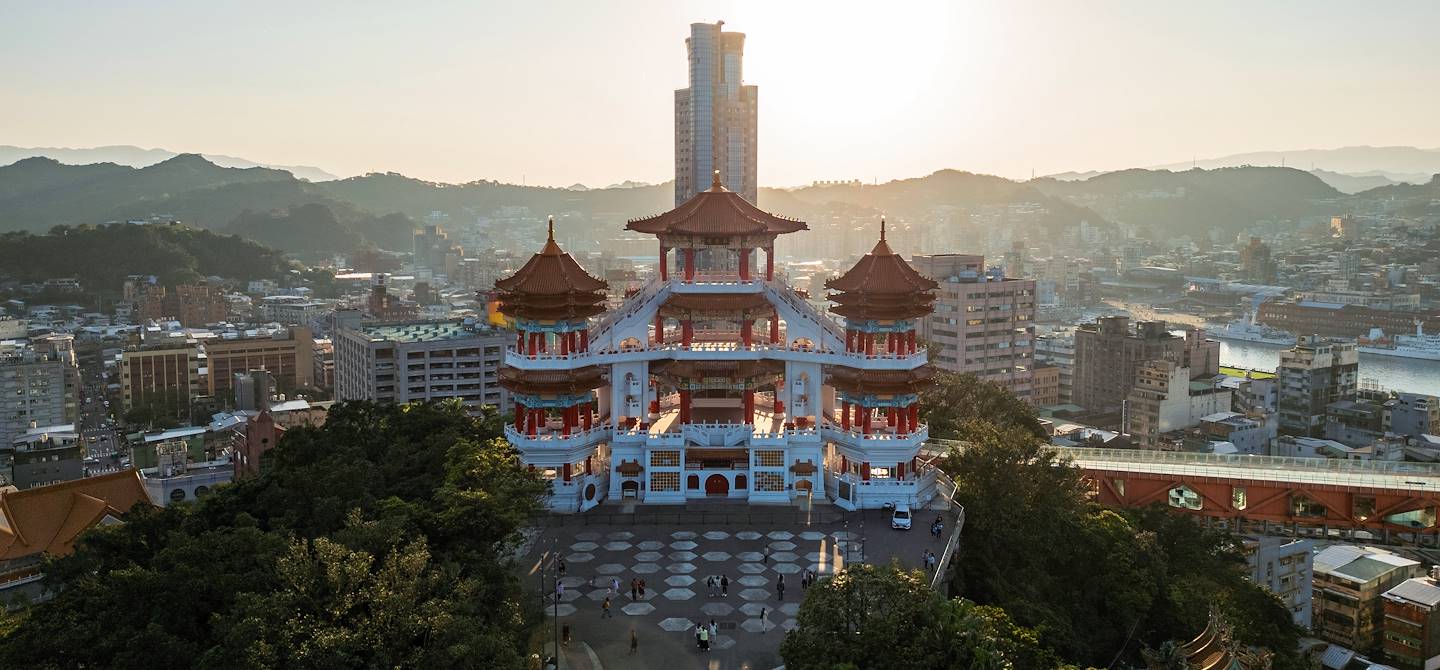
(881, 382)
(551, 286)
(882, 286)
(716, 212)
(552, 382)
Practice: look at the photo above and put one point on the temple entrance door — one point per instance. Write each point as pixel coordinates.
(717, 485)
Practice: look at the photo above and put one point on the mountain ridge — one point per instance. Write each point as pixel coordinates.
(137, 157)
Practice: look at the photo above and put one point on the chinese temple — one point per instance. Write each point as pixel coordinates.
(715, 379)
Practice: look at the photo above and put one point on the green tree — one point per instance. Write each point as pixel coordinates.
(886, 617)
(956, 402)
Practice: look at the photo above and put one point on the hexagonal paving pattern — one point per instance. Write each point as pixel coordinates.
(754, 594)
(815, 556)
(716, 535)
(588, 536)
(789, 625)
(572, 581)
(676, 624)
(753, 580)
(716, 556)
(617, 545)
(681, 568)
(782, 545)
(783, 557)
(582, 557)
(750, 556)
(584, 546)
(645, 568)
(844, 535)
(683, 535)
(597, 595)
(787, 568)
(822, 568)
(722, 642)
(569, 596)
(751, 568)
(560, 610)
(754, 609)
(650, 545)
(682, 556)
(638, 609)
(757, 625)
(609, 569)
(678, 594)
(779, 535)
(619, 535)
(680, 580)
(652, 556)
(812, 535)
(747, 535)
(717, 609)
(790, 609)
(683, 545)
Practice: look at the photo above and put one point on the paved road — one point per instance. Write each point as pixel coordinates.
(97, 427)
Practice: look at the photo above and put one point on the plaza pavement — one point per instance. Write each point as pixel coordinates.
(675, 560)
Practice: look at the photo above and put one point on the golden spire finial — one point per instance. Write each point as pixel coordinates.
(882, 227)
(715, 183)
(551, 236)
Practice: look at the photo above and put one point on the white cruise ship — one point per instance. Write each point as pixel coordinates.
(1420, 345)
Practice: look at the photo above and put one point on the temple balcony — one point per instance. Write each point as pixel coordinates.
(720, 427)
(553, 438)
(716, 283)
(852, 491)
(880, 437)
(635, 351)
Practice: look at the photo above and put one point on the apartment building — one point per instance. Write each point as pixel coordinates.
(165, 375)
(1165, 399)
(1058, 350)
(1412, 623)
(36, 388)
(983, 322)
(1313, 374)
(420, 362)
(1283, 566)
(1350, 582)
(1108, 356)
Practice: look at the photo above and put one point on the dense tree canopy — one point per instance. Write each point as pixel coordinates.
(956, 401)
(377, 540)
(1124, 581)
(885, 617)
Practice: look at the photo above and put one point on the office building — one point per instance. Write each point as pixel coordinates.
(1350, 582)
(983, 322)
(288, 355)
(1045, 385)
(1313, 374)
(1058, 350)
(1256, 265)
(1249, 436)
(1284, 567)
(164, 376)
(41, 456)
(1412, 623)
(434, 251)
(1108, 356)
(420, 362)
(716, 116)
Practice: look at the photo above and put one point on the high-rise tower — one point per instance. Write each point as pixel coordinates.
(715, 118)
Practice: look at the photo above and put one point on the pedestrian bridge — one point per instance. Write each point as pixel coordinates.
(1314, 493)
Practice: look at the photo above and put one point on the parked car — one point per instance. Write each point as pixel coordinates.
(900, 518)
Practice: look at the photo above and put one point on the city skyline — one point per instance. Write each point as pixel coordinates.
(853, 92)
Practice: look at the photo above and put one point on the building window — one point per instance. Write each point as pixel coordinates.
(770, 459)
(664, 481)
(769, 481)
(692, 482)
(664, 459)
(178, 495)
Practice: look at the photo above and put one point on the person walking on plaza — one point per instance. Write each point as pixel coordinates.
(704, 638)
(642, 589)
(780, 586)
(605, 609)
(725, 586)
(565, 635)
(710, 586)
(634, 588)
(615, 584)
(714, 630)
(560, 566)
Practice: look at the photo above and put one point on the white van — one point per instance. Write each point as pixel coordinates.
(900, 518)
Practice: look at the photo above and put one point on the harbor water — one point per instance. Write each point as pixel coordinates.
(1396, 374)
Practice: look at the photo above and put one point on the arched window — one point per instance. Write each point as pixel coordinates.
(693, 482)
(739, 482)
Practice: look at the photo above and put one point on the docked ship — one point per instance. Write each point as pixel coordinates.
(1248, 330)
(1420, 345)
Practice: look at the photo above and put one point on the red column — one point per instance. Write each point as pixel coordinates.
(769, 263)
(659, 329)
(869, 343)
(544, 343)
(574, 341)
(749, 406)
(664, 265)
(890, 343)
(910, 340)
(774, 330)
(690, 264)
(565, 421)
(564, 342)
(519, 341)
(684, 407)
(914, 417)
(865, 471)
(744, 264)
(589, 417)
(845, 416)
(747, 333)
(585, 339)
(849, 340)
(519, 418)
(900, 471)
(567, 473)
(779, 404)
(534, 422)
(864, 420)
(890, 415)
(687, 332)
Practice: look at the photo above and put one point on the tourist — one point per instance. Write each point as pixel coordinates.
(560, 566)
(559, 591)
(704, 638)
(605, 609)
(725, 586)
(642, 588)
(780, 586)
(714, 629)
(634, 588)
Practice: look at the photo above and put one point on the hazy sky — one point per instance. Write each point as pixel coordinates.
(564, 92)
